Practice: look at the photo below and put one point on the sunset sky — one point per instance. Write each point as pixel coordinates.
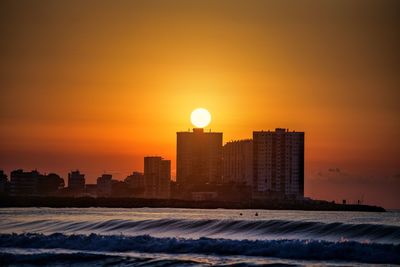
(98, 85)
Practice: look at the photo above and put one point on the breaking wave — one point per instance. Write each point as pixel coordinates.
(90, 259)
(286, 249)
(232, 229)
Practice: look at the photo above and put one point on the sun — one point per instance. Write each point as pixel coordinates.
(200, 117)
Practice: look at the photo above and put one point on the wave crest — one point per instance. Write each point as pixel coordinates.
(233, 229)
(288, 249)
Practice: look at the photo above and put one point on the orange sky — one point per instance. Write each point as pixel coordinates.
(97, 85)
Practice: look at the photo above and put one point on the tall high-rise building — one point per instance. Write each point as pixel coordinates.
(76, 181)
(157, 177)
(238, 162)
(278, 163)
(198, 159)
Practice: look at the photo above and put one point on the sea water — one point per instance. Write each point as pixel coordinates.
(196, 237)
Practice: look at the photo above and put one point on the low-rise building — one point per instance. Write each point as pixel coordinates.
(104, 185)
(34, 184)
(76, 181)
(157, 177)
(4, 184)
(135, 182)
(24, 183)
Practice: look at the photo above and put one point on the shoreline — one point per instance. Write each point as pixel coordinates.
(112, 202)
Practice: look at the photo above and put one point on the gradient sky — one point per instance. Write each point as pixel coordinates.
(97, 85)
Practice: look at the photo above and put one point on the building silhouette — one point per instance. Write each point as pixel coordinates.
(135, 182)
(278, 158)
(104, 185)
(76, 181)
(198, 160)
(49, 184)
(90, 190)
(24, 183)
(4, 184)
(33, 183)
(157, 177)
(237, 164)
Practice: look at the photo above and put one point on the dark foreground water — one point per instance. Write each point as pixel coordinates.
(188, 237)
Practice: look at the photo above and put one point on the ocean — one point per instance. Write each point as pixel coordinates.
(196, 237)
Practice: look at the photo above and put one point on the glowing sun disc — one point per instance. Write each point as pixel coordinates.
(200, 117)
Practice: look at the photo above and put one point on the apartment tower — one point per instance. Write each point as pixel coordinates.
(198, 160)
(238, 162)
(278, 164)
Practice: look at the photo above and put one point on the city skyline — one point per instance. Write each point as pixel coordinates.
(207, 170)
(99, 86)
(118, 176)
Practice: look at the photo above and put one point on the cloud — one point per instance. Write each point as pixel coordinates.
(374, 187)
(333, 172)
(337, 175)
